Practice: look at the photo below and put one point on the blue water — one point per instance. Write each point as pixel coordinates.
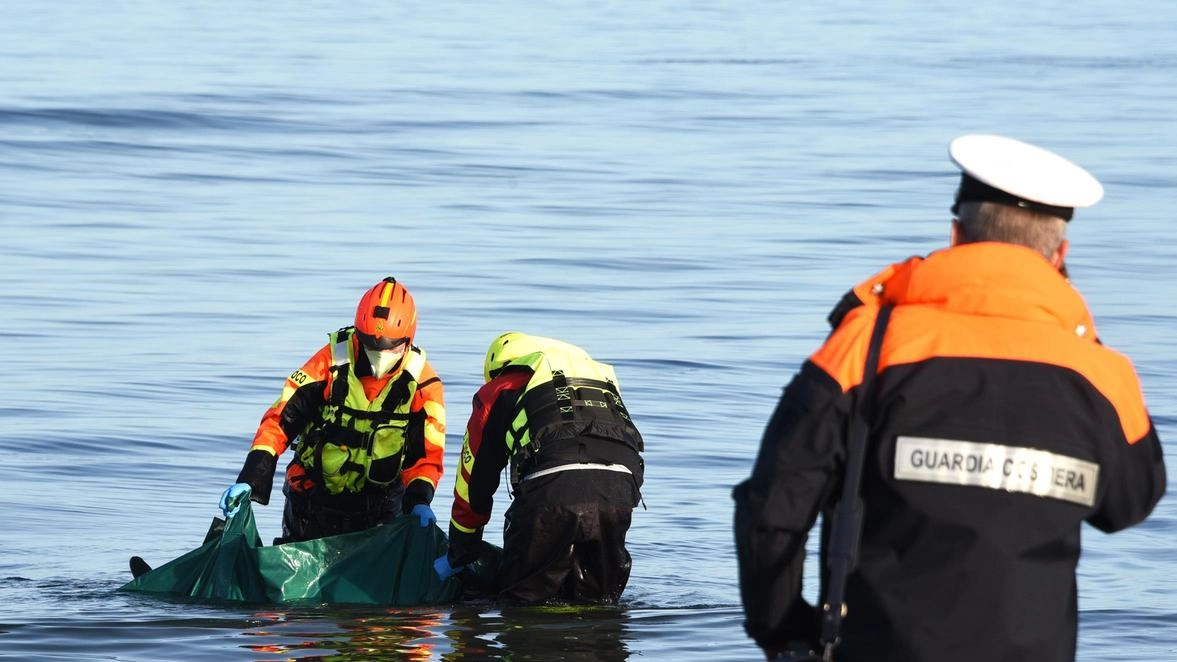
(193, 193)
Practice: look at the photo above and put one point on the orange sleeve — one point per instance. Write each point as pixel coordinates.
(303, 395)
(430, 399)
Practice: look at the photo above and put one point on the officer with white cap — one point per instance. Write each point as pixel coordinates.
(995, 426)
(1018, 193)
(1010, 172)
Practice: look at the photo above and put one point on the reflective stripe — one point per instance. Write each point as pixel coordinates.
(463, 529)
(620, 468)
(996, 467)
(339, 352)
(416, 363)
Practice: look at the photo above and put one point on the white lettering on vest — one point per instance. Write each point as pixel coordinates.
(996, 467)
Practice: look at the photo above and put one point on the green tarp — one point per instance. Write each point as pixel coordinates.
(391, 564)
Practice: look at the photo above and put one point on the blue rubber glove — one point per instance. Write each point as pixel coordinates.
(424, 513)
(232, 498)
(443, 568)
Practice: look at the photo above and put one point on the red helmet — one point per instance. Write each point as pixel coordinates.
(386, 317)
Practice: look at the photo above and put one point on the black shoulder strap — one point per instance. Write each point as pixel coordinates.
(847, 520)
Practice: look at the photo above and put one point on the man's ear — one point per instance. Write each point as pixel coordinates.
(1060, 256)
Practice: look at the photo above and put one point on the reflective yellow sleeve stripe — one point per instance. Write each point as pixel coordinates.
(427, 479)
(263, 448)
(434, 422)
(454, 523)
(461, 485)
(295, 381)
(462, 489)
(287, 393)
(435, 410)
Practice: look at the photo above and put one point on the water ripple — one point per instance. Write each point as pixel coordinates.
(138, 118)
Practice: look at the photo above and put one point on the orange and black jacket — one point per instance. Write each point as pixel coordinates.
(303, 398)
(1000, 425)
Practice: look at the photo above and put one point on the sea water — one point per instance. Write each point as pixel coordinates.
(192, 194)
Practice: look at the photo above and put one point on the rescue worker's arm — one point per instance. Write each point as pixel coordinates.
(302, 398)
(795, 472)
(1134, 477)
(425, 445)
(1131, 463)
(484, 456)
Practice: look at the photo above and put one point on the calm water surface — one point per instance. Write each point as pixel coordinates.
(194, 193)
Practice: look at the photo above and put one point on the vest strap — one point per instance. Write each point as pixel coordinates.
(846, 522)
(563, 394)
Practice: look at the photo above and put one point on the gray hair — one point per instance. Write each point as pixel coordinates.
(989, 221)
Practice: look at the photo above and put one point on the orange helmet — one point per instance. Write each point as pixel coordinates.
(386, 317)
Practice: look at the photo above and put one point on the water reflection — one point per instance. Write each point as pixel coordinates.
(468, 633)
(348, 636)
(540, 633)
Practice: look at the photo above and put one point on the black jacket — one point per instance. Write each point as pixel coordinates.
(1002, 424)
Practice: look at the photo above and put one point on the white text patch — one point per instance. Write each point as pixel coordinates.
(998, 467)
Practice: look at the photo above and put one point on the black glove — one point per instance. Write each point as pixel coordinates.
(418, 492)
(464, 547)
(258, 473)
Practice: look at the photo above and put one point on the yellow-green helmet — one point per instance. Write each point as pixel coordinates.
(506, 348)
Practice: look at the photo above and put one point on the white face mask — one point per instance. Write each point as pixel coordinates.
(384, 362)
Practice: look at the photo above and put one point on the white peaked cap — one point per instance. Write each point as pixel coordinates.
(1034, 177)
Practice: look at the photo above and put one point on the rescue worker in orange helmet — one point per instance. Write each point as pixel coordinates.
(998, 424)
(365, 417)
(556, 417)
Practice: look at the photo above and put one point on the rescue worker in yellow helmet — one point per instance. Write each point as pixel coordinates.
(365, 417)
(556, 416)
